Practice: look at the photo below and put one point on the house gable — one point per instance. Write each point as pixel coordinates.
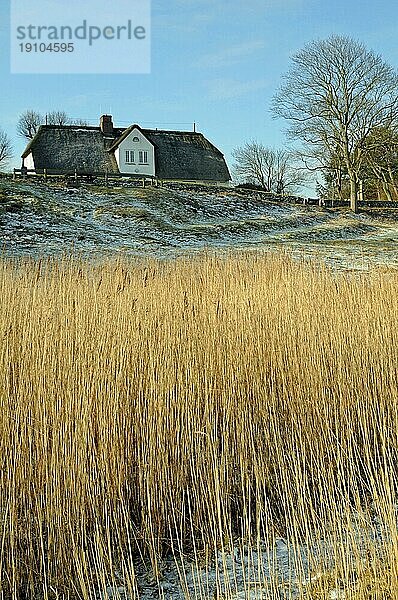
(134, 153)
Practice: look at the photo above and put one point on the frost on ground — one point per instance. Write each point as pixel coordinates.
(245, 573)
(45, 220)
(280, 571)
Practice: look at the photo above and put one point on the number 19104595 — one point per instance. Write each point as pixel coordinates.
(56, 47)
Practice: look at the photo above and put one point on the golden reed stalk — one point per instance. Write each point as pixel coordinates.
(189, 406)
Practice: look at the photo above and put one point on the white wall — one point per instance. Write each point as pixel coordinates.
(29, 162)
(143, 144)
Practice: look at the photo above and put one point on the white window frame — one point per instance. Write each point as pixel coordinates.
(130, 157)
(143, 157)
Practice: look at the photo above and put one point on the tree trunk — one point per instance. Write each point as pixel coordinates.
(360, 191)
(353, 194)
(393, 183)
(386, 190)
(337, 185)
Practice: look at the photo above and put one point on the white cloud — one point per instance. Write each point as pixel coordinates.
(231, 55)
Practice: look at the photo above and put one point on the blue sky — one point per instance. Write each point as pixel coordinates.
(216, 62)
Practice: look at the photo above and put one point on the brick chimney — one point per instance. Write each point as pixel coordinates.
(106, 124)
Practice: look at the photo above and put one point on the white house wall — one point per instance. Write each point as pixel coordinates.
(142, 145)
(29, 162)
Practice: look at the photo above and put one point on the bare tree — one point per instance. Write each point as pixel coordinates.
(5, 147)
(379, 170)
(272, 169)
(28, 124)
(382, 160)
(57, 117)
(288, 176)
(79, 122)
(255, 164)
(30, 121)
(61, 118)
(335, 93)
(335, 183)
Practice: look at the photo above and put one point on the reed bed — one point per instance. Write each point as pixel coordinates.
(197, 409)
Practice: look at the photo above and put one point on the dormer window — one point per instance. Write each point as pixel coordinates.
(136, 139)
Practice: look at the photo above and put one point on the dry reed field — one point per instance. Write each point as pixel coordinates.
(197, 413)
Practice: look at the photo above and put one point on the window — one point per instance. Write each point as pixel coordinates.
(136, 139)
(143, 157)
(130, 157)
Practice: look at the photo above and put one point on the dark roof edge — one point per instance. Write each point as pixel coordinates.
(26, 152)
(125, 133)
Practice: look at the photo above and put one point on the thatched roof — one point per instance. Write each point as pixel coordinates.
(178, 154)
(187, 155)
(62, 149)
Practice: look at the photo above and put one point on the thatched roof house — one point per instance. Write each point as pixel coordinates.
(183, 155)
